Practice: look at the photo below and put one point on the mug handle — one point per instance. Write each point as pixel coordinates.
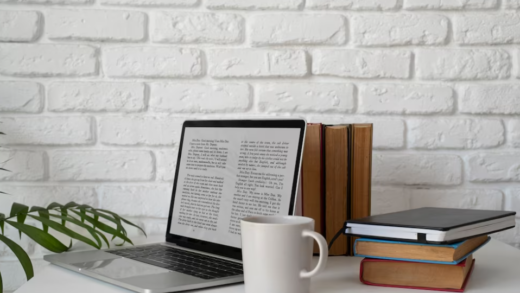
(324, 253)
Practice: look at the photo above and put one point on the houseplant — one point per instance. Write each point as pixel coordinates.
(55, 216)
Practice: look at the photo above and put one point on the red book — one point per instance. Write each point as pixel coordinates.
(414, 275)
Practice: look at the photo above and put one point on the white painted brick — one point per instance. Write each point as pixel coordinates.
(48, 2)
(475, 199)
(255, 4)
(197, 27)
(137, 201)
(156, 131)
(388, 133)
(152, 62)
(257, 63)
(298, 29)
(512, 4)
(23, 166)
(166, 164)
(155, 226)
(46, 131)
(399, 29)
(95, 25)
(513, 200)
(19, 26)
(47, 60)
(20, 96)
(199, 98)
(306, 97)
(455, 133)
(462, 64)
(354, 4)
(490, 99)
(449, 4)
(362, 63)
(25, 242)
(96, 97)
(157, 3)
(101, 165)
(416, 169)
(405, 99)
(494, 167)
(514, 133)
(510, 236)
(42, 196)
(387, 199)
(485, 29)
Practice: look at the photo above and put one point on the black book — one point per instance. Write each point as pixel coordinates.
(431, 225)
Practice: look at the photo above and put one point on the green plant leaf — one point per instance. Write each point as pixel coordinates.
(20, 211)
(2, 218)
(1, 285)
(4, 169)
(119, 226)
(124, 220)
(44, 213)
(105, 228)
(44, 239)
(82, 225)
(55, 205)
(22, 256)
(60, 228)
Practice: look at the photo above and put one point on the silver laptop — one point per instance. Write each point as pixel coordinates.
(226, 170)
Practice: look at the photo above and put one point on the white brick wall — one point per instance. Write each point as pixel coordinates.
(93, 94)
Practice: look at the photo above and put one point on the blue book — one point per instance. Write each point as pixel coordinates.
(450, 254)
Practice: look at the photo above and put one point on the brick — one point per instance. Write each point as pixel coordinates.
(514, 133)
(22, 166)
(42, 196)
(46, 131)
(362, 63)
(416, 169)
(25, 243)
(20, 26)
(449, 4)
(197, 27)
(510, 236)
(494, 167)
(462, 64)
(257, 63)
(487, 29)
(513, 200)
(405, 99)
(388, 133)
(200, 98)
(475, 199)
(101, 165)
(306, 97)
(137, 201)
(47, 60)
(354, 4)
(156, 3)
(51, 2)
(399, 29)
(152, 62)
(387, 199)
(20, 96)
(490, 99)
(166, 164)
(255, 5)
(96, 25)
(298, 29)
(96, 97)
(155, 131)
(512, 4)
(455, 133)
(155, 226)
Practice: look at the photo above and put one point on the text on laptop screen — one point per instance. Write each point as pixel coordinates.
(226, 174)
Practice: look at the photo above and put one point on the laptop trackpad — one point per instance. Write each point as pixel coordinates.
(136, 273)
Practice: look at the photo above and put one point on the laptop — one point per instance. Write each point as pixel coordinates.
(226, 170)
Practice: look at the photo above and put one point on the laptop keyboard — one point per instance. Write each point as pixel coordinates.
(182, 261)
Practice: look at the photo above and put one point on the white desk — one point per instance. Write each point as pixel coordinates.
(497, 269)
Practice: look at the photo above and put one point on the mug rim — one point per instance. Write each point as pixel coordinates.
(289, 220)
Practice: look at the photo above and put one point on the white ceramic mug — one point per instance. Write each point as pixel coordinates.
(277, 253)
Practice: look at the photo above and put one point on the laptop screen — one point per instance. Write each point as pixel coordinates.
(228, 173)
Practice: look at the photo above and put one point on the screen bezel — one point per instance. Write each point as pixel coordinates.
(219, 249)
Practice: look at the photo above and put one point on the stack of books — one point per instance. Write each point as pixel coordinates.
(336, 179)
(427, 248)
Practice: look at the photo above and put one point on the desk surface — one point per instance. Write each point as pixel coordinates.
(497, 269)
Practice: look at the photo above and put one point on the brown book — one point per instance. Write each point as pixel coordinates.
(410, 251)
(361, 173)
(414, 274)
(312, 178)
(336, 185)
